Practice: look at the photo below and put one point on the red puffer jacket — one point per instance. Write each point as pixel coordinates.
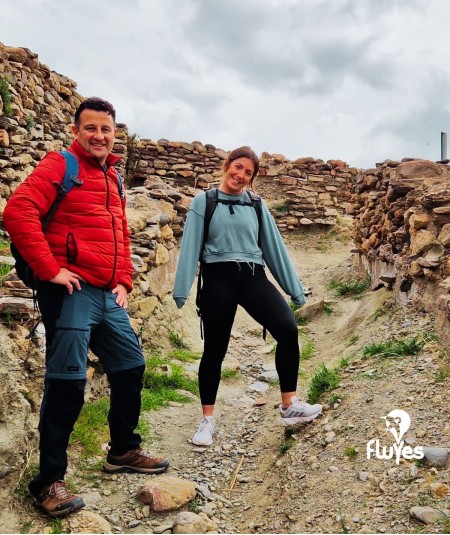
(88, 233)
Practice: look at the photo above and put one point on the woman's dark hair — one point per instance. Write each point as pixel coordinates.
(243, 152)
(96, 104)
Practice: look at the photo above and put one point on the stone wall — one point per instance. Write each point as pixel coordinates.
(308, 191)
(402, 232)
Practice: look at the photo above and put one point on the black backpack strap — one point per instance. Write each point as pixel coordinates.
(211, 200)
(255, 199)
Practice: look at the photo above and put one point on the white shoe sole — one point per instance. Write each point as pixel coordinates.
(202, 444)
(301, 419)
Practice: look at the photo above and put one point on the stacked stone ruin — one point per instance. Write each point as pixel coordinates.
(402, 230)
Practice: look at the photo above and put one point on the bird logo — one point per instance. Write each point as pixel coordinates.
(397, 423)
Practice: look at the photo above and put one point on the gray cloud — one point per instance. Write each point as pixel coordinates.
(361, 80)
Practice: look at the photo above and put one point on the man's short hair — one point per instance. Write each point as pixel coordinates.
(96, 104)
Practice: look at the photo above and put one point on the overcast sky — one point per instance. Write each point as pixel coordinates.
(357, 80)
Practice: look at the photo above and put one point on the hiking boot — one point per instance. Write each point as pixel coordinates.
(56, 500)
(205, 432)
(135, 461)
(299, 412)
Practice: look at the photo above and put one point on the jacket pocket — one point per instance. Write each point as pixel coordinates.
(71, 248)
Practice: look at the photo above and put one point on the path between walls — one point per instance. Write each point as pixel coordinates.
(316, 486)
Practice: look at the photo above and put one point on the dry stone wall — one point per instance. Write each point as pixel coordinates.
(308, 191)
(402, 232)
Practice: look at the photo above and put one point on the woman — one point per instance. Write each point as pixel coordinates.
(233, 258)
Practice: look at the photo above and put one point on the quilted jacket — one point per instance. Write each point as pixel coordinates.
(88, 233)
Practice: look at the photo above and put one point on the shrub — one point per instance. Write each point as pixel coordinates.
(6, 97)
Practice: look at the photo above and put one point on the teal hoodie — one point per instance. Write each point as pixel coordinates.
(234, 237)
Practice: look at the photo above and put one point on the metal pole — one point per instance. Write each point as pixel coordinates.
(443, 146)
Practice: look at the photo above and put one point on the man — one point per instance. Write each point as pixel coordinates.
(84, 274)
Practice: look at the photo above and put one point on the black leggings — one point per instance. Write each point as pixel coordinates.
(225, 286)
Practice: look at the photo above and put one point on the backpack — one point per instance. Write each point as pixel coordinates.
(23, 270)
(212, 199)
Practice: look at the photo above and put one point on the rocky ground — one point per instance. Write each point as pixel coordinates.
(254, 479)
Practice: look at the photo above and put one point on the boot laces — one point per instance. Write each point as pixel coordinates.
(59, 490)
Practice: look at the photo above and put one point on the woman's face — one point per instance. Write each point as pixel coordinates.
(237, 176)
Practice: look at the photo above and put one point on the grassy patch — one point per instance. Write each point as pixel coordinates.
(175, 379)
(21, 490)
(328, 308)
(4, 247)
(184, 355)
(5, 268)
(176, 341)
(353, 339)
(91, 428)
(351, 452)
(229, 374)
(442, 375)
(56, 526)
(394, 348)
(322, 381)
(280, 208)
(6, 97)
(308, 349)
(286, 445)
(349, 286)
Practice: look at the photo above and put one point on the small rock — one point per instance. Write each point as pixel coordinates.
(428, 515)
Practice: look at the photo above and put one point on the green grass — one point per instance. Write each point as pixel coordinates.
(21, 490)
(351, 452)
(343, 363)
(280, 208)
(353, 339)
(194, 505)
(6, 97)
(184, 355)
(176, 379)
(394, 348)
(91, 428)
(4, 247)
(442, 375)
(349, 287)
(26, 527)
(176, 341)
(328, 308)
(322, 381)
(56, 525)
(308, 349)
(446, 525)
(5, 268)
(229, 374)
(286, 445)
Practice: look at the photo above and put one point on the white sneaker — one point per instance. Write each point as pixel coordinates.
(299, 412)
(205, 432)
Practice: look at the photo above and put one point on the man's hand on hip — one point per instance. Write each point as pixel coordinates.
(122, 295)
(67, 278)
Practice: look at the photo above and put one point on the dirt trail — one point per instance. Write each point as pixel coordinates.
(316, 486)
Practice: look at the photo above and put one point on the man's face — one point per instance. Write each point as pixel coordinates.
(96, 133)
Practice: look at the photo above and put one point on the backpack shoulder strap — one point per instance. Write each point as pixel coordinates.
(120, 185)
(255, 199)
(71, 174)
(212, 197)
(69, 180)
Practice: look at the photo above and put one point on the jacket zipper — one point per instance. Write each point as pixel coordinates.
(113, 223)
